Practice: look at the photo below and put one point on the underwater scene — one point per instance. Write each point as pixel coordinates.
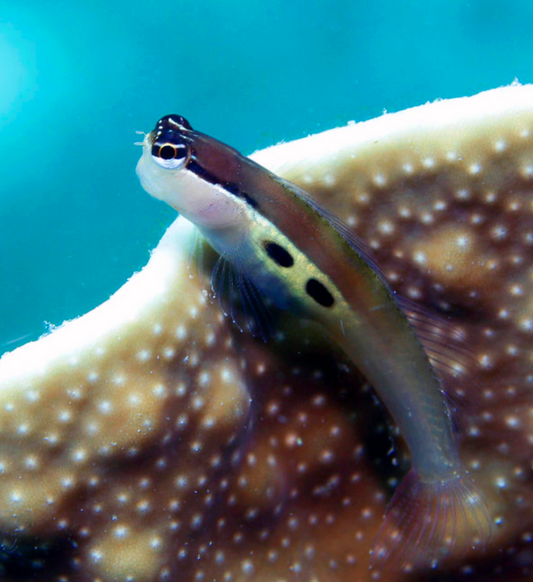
(312, 364)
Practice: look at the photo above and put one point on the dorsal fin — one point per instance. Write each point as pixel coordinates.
(443, 341)
(359, 246)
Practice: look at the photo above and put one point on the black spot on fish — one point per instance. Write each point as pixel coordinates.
(277, 253)
(319, 293)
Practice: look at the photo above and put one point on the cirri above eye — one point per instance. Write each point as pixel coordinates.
(170, 155)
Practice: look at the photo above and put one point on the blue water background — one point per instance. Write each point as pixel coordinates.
(77, 80)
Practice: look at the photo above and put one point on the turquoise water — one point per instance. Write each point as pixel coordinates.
(77, 80)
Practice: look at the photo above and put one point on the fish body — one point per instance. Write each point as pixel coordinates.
(306, 261)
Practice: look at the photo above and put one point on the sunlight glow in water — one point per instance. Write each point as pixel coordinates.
(17, 73)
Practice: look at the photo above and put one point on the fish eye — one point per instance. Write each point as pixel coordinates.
(170, 155)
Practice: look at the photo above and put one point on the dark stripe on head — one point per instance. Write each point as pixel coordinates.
(231, 187)
(319, 293)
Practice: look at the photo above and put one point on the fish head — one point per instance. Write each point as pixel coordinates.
(192, 172)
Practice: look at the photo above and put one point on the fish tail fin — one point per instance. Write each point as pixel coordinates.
(427, 521)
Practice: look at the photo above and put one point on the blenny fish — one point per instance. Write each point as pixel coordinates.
(305, 260)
